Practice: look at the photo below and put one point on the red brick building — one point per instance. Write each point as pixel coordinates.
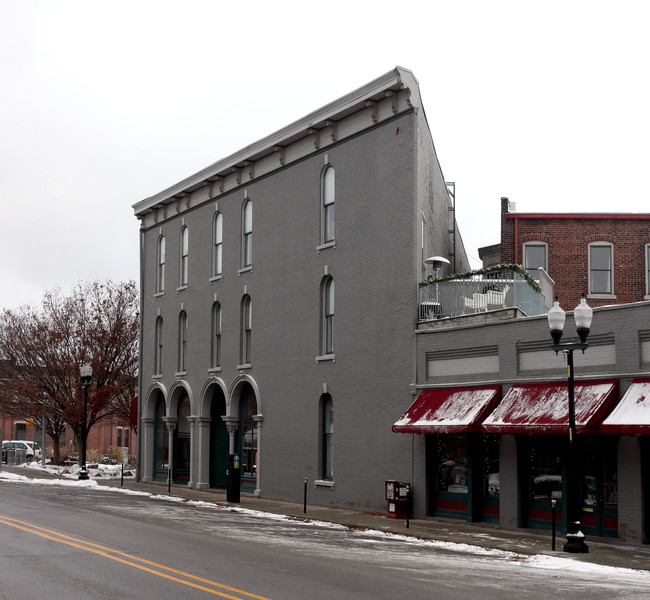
(603, 255)
(111, 432)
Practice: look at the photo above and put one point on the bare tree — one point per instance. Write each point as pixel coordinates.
(43, 348)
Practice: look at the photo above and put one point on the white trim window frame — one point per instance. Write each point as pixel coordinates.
(601, 270)
(158, 347)
(535, 256)
(328, 205)
(182, 342)
(184, 256)
(160, 265)
(215, 342)
(247, 235)
(647, 272)
(217, 245)
(328, 316)
(246, 330)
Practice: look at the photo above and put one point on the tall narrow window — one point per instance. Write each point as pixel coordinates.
(217, 245)
(248, 432)
(160, 265)
(246, 330)
(327, 437)
(600, 268)
(328, 316)
(157, 367)
(215, 344)
(185, 254)
(534, 258)
(247, 234)
(182, 342)
(647, 269)
(328, 198)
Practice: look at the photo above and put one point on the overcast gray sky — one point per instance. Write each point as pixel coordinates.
(106, 103)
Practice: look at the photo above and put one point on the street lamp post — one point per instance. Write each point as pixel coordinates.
(86, 372)
(556, 317)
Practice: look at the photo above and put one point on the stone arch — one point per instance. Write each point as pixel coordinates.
(203, 410)
(234, 394)
(175, 392)
(151, 397)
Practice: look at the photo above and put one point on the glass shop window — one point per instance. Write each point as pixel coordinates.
(546, 468)
(452, 463)
(491, 446)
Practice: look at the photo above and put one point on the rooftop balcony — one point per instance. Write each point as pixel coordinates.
(492, 289)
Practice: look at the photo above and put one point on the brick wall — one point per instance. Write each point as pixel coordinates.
(568, 238)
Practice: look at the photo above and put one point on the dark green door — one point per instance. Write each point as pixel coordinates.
(219, 442)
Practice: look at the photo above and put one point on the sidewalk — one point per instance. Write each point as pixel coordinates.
(602, 551)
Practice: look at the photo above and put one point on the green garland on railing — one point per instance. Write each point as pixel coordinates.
(487, 271)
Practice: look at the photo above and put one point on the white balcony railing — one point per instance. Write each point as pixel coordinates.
(475, 292)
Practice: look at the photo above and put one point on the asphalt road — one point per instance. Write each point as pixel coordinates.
(77, 543)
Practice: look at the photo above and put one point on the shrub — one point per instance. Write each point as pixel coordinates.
(116, 454)
(92, 456)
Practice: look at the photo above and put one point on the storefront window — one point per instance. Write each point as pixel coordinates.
(452, 463)
(599, 465)
(183, 437)
(491, 444)
(546, 468)
(160, 436)
(248, 433)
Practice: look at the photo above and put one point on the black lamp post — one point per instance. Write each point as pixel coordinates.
(86, 372)
(556, 317)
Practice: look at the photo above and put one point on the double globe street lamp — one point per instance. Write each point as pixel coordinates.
(86, 372)
(582, 315)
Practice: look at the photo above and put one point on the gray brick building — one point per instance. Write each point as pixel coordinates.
(279, 303)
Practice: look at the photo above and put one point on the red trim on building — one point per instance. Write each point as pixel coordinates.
(584, 216)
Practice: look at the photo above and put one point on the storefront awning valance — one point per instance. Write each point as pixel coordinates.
(452, 410)
(632, 414)
(544, 408)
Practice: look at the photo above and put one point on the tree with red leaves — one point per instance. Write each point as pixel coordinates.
(43, 348)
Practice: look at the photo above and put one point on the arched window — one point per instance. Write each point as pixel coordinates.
(327, 205)
(246, 330)
(327, 437)
(327, 312)
(160, 265)
(157, 366)
(215, 343)
(185, 253)
(217, 245)
(182, 341)
(247, 234)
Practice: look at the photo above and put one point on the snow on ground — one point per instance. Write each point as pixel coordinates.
(540, 561)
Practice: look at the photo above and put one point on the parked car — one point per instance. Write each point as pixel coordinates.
(31, 448)
(36, 448)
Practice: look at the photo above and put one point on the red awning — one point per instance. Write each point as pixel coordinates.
(452, 410)
(632, 415)
(544, 408)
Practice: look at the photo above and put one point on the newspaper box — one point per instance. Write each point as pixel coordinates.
(397, 496)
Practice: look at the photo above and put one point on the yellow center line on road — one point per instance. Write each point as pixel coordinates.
(116, 555)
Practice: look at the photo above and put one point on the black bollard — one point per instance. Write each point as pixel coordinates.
(304, 510)
(553, 508)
